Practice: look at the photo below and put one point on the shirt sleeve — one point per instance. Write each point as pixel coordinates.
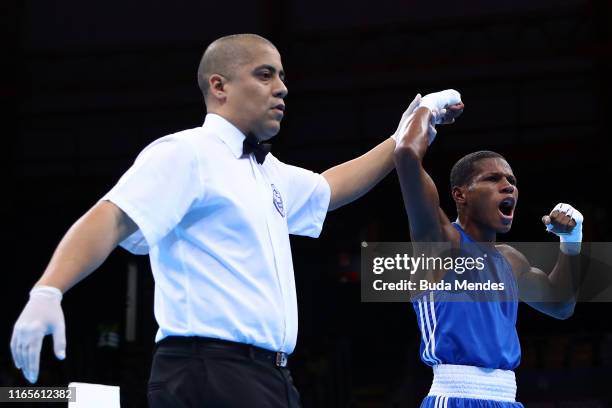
(308, 199)
(157, 191)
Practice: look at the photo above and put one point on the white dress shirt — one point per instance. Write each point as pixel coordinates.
(216, 225)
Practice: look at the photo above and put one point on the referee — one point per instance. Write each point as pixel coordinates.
(214, 210)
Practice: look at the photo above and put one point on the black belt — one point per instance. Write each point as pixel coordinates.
(202, 345)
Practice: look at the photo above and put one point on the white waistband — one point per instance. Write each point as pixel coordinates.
(460, 381)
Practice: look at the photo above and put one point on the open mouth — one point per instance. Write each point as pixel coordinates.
(506, 207)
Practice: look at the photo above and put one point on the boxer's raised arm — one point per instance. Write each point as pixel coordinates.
(427, 221)
(553, 293)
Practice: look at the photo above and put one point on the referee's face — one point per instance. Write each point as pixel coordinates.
(255, 94)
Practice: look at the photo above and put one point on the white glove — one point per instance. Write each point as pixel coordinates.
(437, 103)
(570, 241)
(42, 315)
(407, 117)
(403, 124)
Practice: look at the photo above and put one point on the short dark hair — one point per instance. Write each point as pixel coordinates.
(464, 170)
(225, 54)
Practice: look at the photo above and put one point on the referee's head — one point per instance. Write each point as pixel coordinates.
(242, 79)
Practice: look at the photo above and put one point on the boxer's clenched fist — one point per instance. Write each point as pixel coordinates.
(438, 102)
(445, 106)
(566, 222)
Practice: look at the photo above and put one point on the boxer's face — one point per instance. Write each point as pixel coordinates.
(256, 91)
(492, 195)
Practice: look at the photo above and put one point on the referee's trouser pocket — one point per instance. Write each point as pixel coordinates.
(177, 381)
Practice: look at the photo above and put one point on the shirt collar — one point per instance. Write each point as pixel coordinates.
(226, 131)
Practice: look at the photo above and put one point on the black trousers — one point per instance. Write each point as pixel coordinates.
(199, 372)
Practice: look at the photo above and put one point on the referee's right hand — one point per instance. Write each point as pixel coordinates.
(42, 315)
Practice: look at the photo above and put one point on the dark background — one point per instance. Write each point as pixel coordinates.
(86, 86)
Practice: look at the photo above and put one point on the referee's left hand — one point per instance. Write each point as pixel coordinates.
(42, 315)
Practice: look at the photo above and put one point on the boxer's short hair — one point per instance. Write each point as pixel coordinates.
(464, 171)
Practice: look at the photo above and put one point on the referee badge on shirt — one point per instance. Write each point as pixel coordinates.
(278, 201)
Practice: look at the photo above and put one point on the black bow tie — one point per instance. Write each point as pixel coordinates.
(251, 145)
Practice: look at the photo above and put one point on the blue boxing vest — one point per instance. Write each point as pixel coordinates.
(474, 331)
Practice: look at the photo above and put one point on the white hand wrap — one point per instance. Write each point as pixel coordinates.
(42, 315)
(437, 102)
(570, 241)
